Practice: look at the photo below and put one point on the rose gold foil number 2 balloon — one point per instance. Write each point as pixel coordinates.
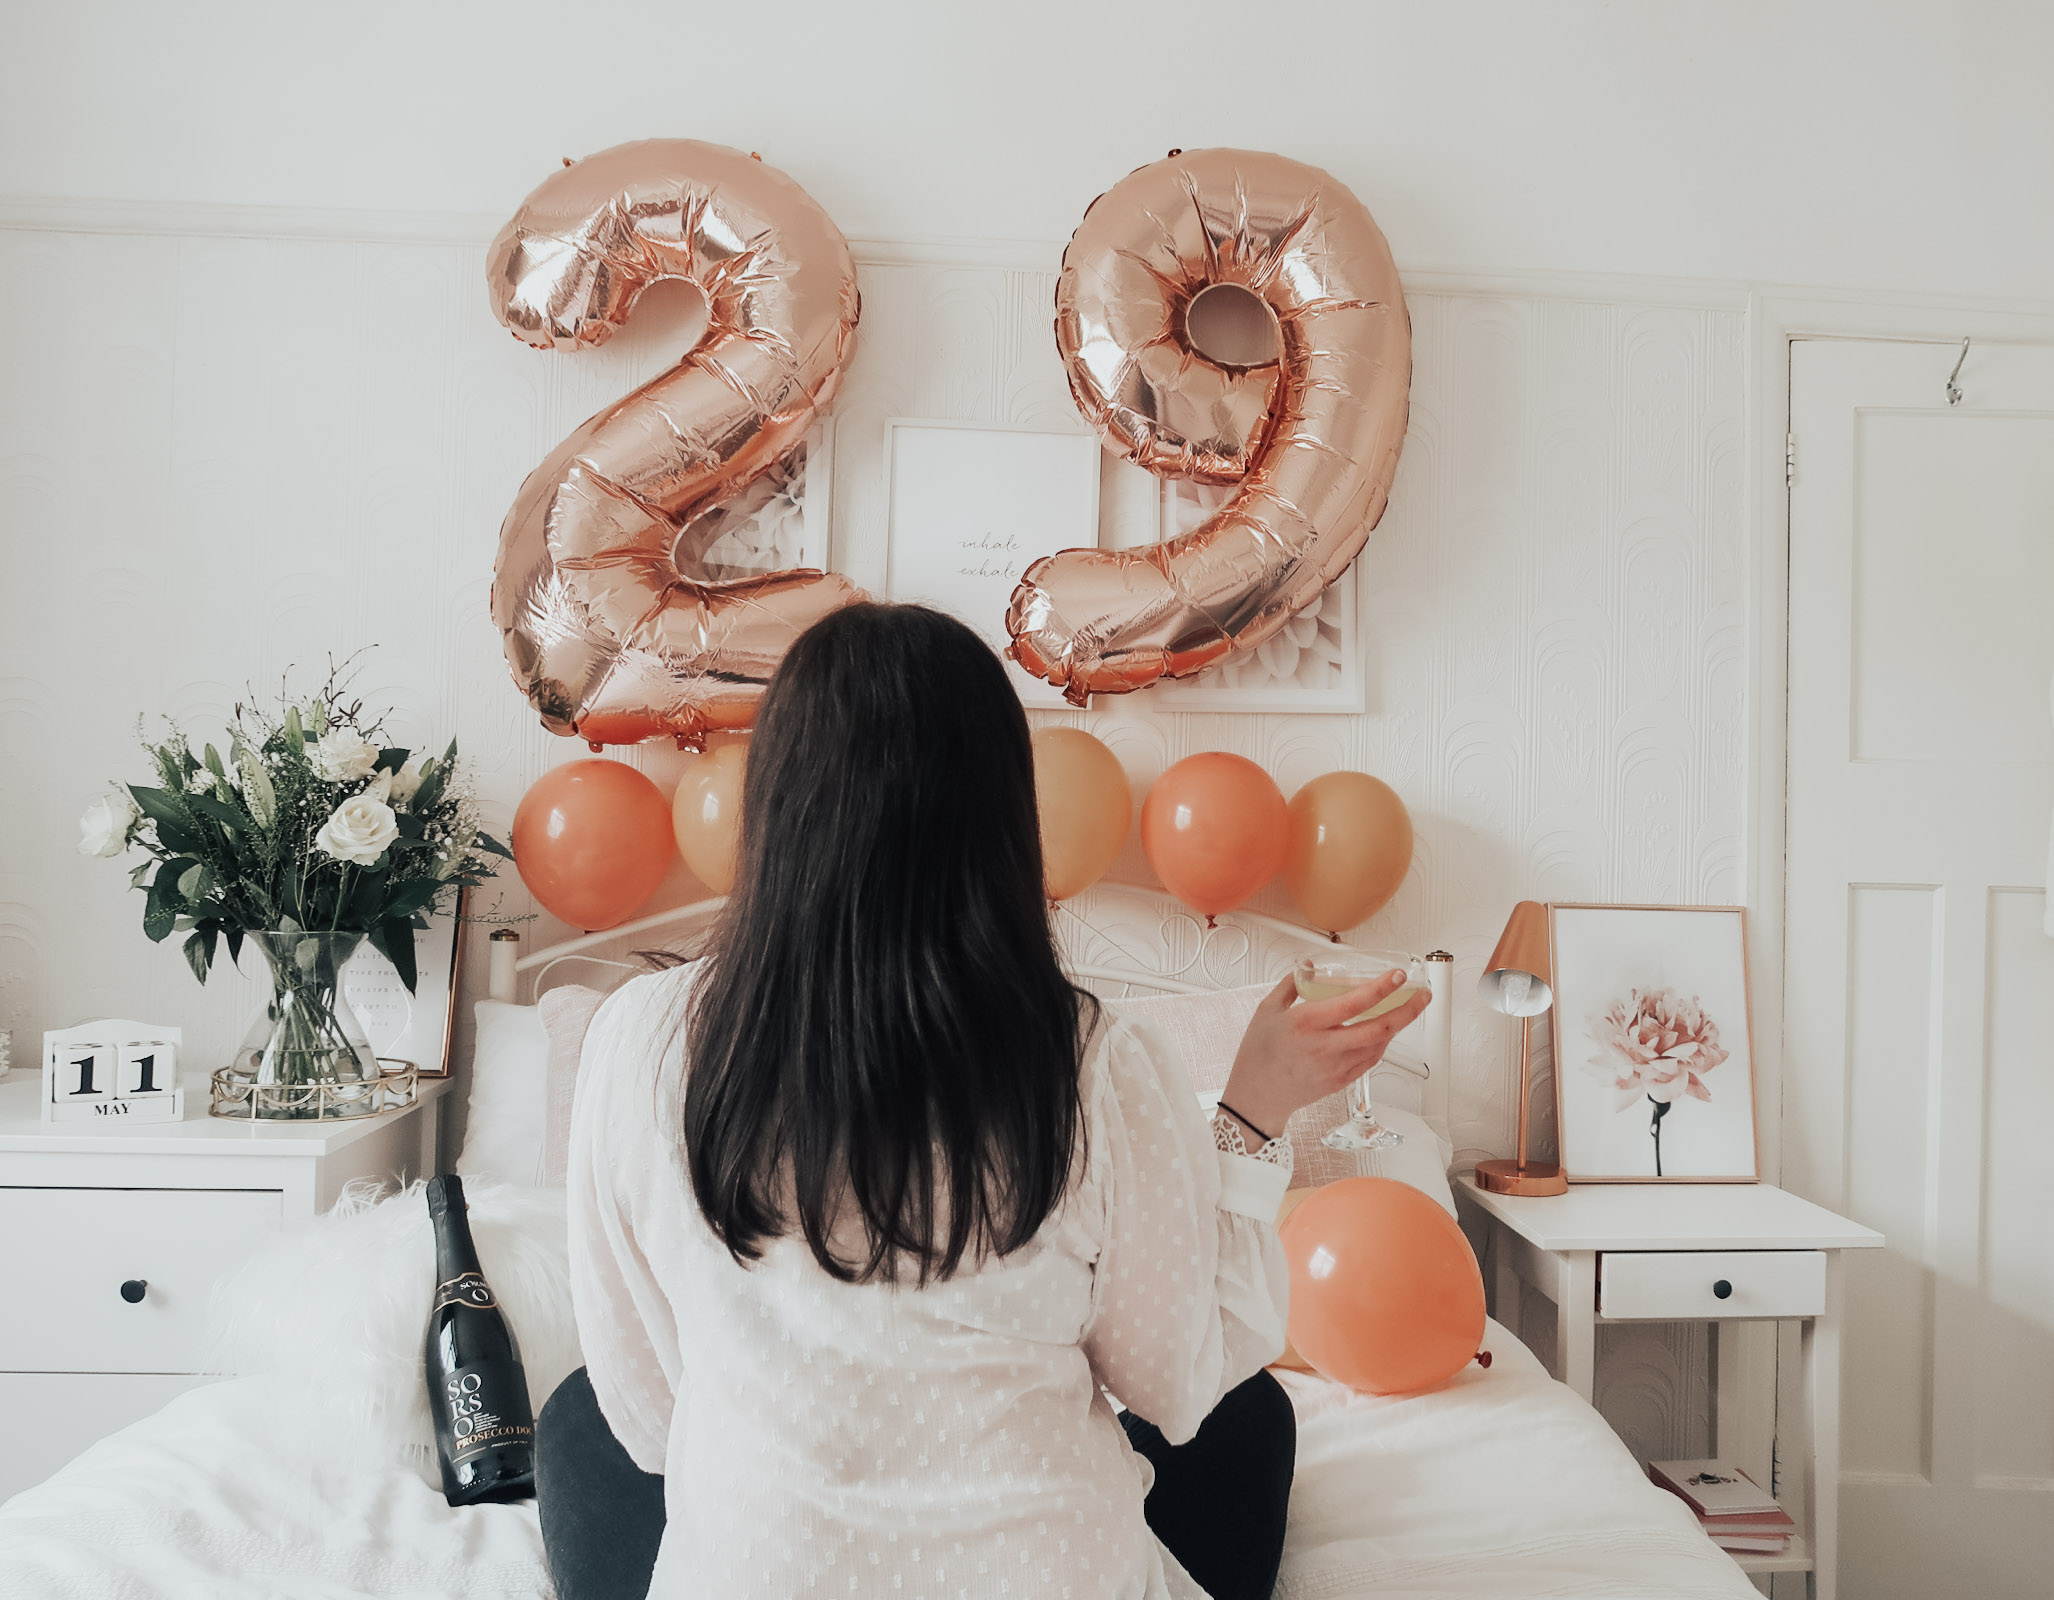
(612, 631)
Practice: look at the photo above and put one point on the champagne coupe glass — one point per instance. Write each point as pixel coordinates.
(1335, 972)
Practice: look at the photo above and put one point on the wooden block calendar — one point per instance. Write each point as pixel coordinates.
(111, 1073)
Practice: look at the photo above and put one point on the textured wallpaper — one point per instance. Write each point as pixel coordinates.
(223, 459)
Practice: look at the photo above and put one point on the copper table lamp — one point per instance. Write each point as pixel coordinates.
(1519, 981)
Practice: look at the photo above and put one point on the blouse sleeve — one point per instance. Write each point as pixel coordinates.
(626, 1325)
(1191, 1283)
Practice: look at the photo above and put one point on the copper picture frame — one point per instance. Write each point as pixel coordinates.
(1630, 1023)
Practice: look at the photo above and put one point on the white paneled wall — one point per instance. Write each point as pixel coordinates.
(223, 458)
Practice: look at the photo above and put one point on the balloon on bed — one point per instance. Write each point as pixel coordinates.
(613, 630)
(1385, 1292)
(1308, 435)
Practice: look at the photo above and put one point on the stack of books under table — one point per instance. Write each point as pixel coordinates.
(1734, 1511)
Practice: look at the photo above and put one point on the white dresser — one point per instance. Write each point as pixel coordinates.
(111, 1238)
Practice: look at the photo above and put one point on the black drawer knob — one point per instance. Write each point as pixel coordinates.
(1722, 1290)
(134, 1290)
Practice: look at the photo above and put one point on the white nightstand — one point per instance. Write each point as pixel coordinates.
(111, 1238)
(1691, 1252)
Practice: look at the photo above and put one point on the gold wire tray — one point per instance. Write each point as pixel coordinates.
(236, 1097)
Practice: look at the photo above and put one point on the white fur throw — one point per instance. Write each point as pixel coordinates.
(339, 1306)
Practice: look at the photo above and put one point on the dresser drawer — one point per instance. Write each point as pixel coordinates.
(1694, 1285)
(66, 1253)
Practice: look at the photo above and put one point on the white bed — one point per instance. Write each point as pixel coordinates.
(1501, 1484)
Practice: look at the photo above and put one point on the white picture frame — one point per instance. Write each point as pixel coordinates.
(782, 520)
(415, 1028)
(1682, 972)
(1315, 667)
(972, 504)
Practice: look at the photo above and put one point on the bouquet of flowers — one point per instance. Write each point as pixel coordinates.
(311, 836)
(311, 823)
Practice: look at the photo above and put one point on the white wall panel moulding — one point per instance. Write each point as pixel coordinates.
(1827, 304)
(171, 219)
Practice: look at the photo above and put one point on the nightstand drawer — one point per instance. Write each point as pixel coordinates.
(1689, 1285)
(69, 1252)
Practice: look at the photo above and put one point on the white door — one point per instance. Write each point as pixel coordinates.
(1919, 1076)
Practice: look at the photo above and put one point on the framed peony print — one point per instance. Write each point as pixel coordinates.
(1653, 1035)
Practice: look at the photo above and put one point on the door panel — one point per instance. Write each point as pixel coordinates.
(1952, 638)
(2014, 1420)
(1919, 1075)
(1893, 941)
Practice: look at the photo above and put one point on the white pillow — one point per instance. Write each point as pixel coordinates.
(1205, 1030)
(504, 1136)
(566, 1017)
(338, 1307)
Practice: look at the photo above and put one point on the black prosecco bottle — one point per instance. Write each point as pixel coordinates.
(484, 1429)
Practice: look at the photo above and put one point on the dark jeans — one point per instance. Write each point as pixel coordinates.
(1218, 1504)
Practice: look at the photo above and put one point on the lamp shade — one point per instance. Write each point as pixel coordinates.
(1519, 977)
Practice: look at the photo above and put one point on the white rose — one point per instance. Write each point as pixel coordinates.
(103, 830)
(380, 787)
(407, 780)
(342, 755)
(359, 831)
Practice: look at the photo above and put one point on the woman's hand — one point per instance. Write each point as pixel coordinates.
(1296, 1052)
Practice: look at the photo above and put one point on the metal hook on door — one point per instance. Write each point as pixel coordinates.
(1953, 388)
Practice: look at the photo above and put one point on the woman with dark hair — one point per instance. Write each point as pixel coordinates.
(871, 1207)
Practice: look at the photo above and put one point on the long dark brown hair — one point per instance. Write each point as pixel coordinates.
(882, 1038)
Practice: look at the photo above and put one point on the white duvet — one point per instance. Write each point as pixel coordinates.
(1501, 1485)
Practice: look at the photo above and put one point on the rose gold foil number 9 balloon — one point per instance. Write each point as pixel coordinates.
(1309, 439)
(612, 631)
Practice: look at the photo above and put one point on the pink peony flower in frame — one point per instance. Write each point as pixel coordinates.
(1658, 1044)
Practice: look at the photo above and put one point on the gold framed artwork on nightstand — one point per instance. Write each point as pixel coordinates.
(1653, 1035)
(412, 1029)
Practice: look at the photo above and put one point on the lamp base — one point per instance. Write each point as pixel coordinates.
(1517, 1177)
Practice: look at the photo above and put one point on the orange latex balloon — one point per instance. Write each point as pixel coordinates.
(1213, 827)
(592, 840)
(1385, 1293)
(1350, 847)
(1085, 808)
(706, 814)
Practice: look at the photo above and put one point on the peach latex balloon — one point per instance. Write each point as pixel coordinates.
(706, 814)
(1291, 1360)
(1350, 846)
(592, 840)
(1085, 808)
(1385, 1292)
(1213, 827)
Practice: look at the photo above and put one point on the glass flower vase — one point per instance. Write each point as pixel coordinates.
(306, 1057)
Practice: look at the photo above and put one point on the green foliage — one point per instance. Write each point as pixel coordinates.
(239, 844)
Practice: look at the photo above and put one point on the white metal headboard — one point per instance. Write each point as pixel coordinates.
(1117, 939)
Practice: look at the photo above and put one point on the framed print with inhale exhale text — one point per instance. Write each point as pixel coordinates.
(412, 1026)
(1653, 1044)
(972, 506)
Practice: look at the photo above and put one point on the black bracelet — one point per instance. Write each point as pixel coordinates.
(1245, 1122)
